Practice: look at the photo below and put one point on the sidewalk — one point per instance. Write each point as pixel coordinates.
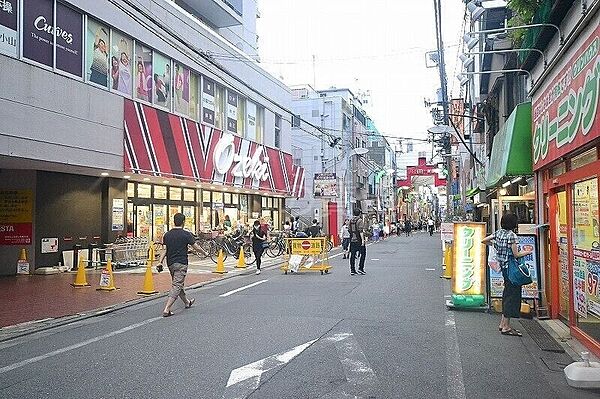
(37, 298)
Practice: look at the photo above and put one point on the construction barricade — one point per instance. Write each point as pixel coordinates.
(306, 254)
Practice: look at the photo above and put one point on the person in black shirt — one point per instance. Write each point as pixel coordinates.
(259, 238)
(314, 230)
(175, 243)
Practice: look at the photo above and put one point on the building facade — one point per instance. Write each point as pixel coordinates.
(118, 114)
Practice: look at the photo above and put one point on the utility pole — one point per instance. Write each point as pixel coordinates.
(444, 88)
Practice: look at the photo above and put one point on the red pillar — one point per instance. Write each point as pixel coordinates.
(332, 214)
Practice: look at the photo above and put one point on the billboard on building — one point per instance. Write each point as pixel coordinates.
(121, 51)
(143, 73)
(161, 78)
(16, 217)
(208, 101)
(8, 27)
(232, 111)
(325, 185)
(96, 53)
(38, 40)
(69, 40)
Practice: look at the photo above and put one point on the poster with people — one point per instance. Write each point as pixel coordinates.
(143, 73)
(38, 40)
(96, 53)
(208, 101)
(232, 110)
(194, 91)
(8, 27)
(181, 89)
(120, 63)
(162, 80)
(69, 42)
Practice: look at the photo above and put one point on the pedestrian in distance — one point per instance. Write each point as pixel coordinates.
(505, 242)
(315, 229)
(407, 227)
(259, 240)
(175, 244)
(430, 226)
(345, 236)
(357, 243)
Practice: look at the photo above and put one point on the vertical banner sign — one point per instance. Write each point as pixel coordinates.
(118, 214)
(468, 274)
(69, 43)
(96, 52)
(251, 121)
(565, 115)
(208, 101)
(526, 242)
(38, 27)
(232, 111)
(8, 27)
(121, 50)
(16, 217)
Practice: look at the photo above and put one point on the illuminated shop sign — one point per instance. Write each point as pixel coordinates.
(469, 259)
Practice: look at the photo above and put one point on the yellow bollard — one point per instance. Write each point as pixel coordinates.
(148, 288)
(241, 260)
(110, 285)
(447, 262)
(220, 264)
(80, 278)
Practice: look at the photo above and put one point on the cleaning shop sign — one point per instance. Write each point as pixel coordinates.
(469, 259)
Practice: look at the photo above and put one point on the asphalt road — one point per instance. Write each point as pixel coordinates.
(384, 335)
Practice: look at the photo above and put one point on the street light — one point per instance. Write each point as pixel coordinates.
(464, 75)
(467, 61)
(478, 8)
(470, 41)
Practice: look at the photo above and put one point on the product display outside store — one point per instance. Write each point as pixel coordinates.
(526, 242)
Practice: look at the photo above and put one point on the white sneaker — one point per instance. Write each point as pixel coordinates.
(258, 271)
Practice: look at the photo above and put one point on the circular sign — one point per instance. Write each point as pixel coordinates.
(306, 245)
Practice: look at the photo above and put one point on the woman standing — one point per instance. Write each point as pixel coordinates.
(505, 243)
(259, 238)
(345, 235)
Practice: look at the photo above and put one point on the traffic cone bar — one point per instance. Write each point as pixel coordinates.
(220, 264)
(148, 288)
(111, 284)
(241, 260)
(80, 278)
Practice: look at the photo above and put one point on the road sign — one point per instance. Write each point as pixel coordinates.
(306, 245)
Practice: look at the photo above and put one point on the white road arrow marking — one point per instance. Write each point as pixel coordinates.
(243, 380)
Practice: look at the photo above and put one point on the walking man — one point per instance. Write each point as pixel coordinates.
(357, 243)
(175, 243)
(430, 226)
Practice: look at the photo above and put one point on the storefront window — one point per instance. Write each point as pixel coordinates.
(189, 194)
(586, 263)
(205, 196)
(559, 169)
(144, 191)
(173, 209)
(143, 221)
(227, 198)
(190, 220)
(217, 198)
(159, 222)
(264, 202)
(235, 199)
(175, 193)
(160, 192)
(130, 213)
(584, 159)
(205, 219)
(130, 190)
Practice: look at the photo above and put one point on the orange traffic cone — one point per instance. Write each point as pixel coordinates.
(220, 264)
(148, 288)
(80, 278)
(241, 264)
(107, 280)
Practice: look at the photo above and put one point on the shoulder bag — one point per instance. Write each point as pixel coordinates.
(518, 272)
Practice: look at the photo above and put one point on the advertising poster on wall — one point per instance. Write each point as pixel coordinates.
(468, 273)
(181, 86)
(208, 101)
(526, 242)
(194, 81)
(49, 245)
(325, 185)
(69, 43)
(251, 121)
(16, 216)
(143, 73)
(118, 214)
(121, 48)
(232, 110)
(8, 27)
(96, 53)
(162, 80)
(38, 40)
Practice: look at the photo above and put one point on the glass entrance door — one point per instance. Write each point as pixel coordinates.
(159, 223)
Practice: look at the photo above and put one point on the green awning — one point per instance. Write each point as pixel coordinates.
(511, 149)
(472, 191)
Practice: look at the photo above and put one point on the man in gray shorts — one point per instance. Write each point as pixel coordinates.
(175, 243)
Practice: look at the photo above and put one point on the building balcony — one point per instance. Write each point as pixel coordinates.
(218, 13)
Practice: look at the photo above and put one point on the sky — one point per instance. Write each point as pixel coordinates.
(365, 45)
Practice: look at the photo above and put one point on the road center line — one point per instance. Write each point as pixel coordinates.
(456, 386)
(36, 359)
(242, 288)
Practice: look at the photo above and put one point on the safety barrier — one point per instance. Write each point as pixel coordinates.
(306, 254)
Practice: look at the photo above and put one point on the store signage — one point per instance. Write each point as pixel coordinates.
(16, 216)
(8, 27)
(38, 36)
(447, 232)
(69, 43)
(565, 115)
(49, 245)
(225, 159)
(468, 274)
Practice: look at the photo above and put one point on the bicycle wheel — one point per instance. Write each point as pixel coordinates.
(214, 255)
(205, 250)
(248, 254)
(329, 246)
(273, 249)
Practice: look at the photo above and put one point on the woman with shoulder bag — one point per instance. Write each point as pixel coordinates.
(259, 240)
(505, 242)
